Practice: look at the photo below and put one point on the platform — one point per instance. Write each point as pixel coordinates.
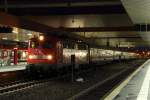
(135, 87)
(19, 66)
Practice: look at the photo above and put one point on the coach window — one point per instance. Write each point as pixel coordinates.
(71, 46)
(82, 47)
(5, 53)
(65, 45)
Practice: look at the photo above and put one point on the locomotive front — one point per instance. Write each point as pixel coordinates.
(42, 53)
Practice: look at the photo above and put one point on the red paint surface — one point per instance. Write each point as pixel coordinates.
(15, 56)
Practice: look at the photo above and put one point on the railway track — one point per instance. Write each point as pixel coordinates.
(27, 83)
(6, 84)
(19, 86)
(24, 84)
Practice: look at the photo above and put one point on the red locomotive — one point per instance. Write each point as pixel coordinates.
(46, 53)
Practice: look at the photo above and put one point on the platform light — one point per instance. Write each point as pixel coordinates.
(29, 34)
(15, 48)
(49, 57)
(15, 30)
(41, 38)
(143, 52)
(4, 38)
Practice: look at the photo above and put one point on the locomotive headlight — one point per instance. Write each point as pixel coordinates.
(41, 38)
(49, 57)
(30, 57)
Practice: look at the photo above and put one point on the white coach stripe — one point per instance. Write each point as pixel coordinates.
(143, 94)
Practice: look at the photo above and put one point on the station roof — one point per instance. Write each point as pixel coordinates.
(48, 7)
(104, 23)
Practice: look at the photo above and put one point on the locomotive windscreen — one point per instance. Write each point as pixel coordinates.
(37, 44)
(47, 45)
(34, 44)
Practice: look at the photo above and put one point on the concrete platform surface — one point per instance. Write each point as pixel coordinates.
(20, 66)
(138, 87)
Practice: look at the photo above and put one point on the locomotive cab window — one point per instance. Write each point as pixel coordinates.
(34, 44)
(47, 45)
